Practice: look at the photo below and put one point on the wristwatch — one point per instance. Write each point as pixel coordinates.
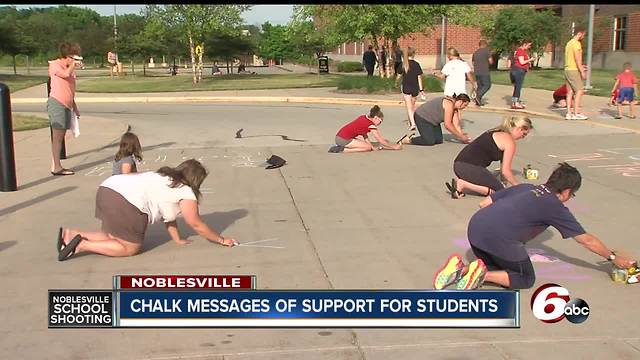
(612, 256)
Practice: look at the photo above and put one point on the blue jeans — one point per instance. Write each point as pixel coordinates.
(517, 78)
(484, 84)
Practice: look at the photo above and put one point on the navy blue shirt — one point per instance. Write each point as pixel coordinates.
(517, 215)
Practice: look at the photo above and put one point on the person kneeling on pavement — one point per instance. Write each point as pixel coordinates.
(127, 203)
(347, 137)
(507, 220)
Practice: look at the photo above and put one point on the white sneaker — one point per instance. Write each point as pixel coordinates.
(569, 116)
(580, 117)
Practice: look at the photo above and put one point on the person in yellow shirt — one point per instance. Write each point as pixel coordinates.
(574, 73)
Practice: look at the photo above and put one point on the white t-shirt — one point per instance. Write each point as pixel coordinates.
(456, 71)
(150, 192)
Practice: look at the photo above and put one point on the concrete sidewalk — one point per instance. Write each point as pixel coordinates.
(498, 99)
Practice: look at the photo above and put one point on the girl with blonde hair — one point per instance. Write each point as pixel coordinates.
(470, 166)
(411, 84)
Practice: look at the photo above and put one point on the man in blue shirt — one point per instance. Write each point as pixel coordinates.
(507, 220)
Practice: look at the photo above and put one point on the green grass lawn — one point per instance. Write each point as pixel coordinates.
(134, 84)
(19, 82)
(24, 122)
(550, 79)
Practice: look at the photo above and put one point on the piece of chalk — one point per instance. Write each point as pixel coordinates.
(235, 243)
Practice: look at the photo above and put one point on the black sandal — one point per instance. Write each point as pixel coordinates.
(63, 172)
(453, 189)
(70, 248)
(60, 241)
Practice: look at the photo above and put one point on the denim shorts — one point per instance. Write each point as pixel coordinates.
(626, 94)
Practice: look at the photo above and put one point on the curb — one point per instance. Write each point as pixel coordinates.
(296, 100)
(269, 99)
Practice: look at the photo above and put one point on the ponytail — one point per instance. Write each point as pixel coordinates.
(375, 111)
(513, 121)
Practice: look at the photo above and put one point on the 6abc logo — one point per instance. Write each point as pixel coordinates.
(551, 303)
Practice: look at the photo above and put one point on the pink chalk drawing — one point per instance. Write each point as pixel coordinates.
(551, 268)
(578, 207)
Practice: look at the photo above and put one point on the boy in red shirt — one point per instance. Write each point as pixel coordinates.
(560, 97)
(626, 84)
(347, 137)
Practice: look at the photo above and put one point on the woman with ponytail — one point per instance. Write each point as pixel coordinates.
(127, 203)
(411, 84)
(347, 138)
(470, 166)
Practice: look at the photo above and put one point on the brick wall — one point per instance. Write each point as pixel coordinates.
(465, 39)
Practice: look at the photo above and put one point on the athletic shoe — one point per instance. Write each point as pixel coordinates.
(336, 149)
(450, 272)
(474, 276)
(578, 116)
(569, 116)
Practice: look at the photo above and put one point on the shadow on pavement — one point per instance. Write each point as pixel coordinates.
(537, 243)
(219, 221)
(36, 200)
(7, 244)
(82, 167)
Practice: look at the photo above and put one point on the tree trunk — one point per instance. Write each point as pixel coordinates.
(193, 59)
(28, 68)
(15, 71)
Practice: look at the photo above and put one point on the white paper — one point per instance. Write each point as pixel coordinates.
(75, 125)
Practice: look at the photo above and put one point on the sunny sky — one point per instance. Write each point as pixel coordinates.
(275, 14)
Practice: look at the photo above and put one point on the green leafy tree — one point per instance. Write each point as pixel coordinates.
(228, 46)
(194, 21)
(274, 43)
(387, 22)
(514, 24)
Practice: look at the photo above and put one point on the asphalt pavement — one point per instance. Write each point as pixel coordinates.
(379, 220)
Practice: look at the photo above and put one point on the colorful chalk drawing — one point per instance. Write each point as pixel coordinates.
(620, 155)
(553, 268)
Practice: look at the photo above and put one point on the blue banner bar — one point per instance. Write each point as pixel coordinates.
(377, 307)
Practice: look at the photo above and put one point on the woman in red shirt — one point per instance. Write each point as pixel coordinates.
(346, 138)
(519, 67)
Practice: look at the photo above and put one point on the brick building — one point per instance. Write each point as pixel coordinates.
(616, 38)
(428, 47)
(616, 34)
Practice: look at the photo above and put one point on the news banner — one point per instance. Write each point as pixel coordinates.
(229, 301)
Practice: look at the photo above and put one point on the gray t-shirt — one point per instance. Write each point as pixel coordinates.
(432, 111)
(481, 61)
(117, 165)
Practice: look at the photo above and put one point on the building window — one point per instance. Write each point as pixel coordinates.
(619, 32)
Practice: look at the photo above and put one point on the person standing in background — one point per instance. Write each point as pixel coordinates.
(369, 60)
(574, 73)
(481, 60)
(61, 104)
(519, 67)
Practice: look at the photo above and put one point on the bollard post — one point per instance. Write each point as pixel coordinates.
(7, 156)
(63, 148)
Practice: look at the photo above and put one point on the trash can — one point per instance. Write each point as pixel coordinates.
(323, 64)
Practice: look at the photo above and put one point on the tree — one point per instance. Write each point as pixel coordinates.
(274, 42)
(306, 37)
(229, 46)
(194, 21)
(14, 39)
(514, 24)
(386, 22)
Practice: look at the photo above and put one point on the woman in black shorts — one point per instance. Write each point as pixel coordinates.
(470, 166)
(411, 84)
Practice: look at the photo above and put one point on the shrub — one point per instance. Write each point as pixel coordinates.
(432, 84)
(367, 84)
(349, 66)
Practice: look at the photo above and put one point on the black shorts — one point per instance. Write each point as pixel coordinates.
(556, 98)
(412, 92)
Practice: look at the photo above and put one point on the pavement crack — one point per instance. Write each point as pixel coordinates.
(354, 335)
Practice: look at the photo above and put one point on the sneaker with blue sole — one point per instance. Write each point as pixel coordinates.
(450, 273)
(474, 276)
